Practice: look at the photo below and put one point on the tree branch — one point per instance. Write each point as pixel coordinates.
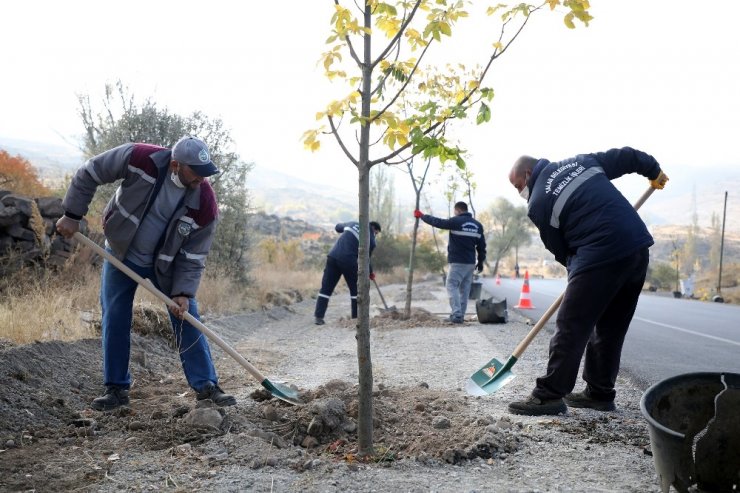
(339, 140)
(398, 35)
(405, 84)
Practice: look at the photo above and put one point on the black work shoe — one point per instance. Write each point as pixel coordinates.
(319, 321)
(113, 398)
(534, 406)
(582, 399)
(215, 394)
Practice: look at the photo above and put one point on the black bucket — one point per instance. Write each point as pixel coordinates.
(694, 425)
(475, 290)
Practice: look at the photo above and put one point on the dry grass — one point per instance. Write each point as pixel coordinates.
(47, 306)
(38, 306)
(270, 278)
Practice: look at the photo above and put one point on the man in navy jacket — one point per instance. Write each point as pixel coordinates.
(342, 262)
(466, 237)
(594, 231)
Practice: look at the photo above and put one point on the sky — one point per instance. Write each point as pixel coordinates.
(660, 75)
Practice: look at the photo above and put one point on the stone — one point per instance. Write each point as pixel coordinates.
(204, 418)
(23, 204)
(309, 442)
(50, 207)
(10, 216)
(441, 423)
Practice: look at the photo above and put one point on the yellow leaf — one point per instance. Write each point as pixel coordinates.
(569, 21)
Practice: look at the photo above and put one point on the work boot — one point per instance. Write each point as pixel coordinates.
(535, 406)
(113, 398)
(582, 399)
(215, 394)
(319, 321)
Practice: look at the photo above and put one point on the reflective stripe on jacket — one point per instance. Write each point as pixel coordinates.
(466, 237)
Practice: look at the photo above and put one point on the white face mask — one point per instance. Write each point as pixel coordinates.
(525, 193)
(176, 180)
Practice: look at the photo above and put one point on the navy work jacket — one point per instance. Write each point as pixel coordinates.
(582, 218)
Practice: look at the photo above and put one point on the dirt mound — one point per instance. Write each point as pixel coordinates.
(395, 319)
(408, 423)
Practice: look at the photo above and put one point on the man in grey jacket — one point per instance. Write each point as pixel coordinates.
(160, 223)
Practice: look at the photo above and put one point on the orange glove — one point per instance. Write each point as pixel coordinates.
(659, 182)
(418, 214)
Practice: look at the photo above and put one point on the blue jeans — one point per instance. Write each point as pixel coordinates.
(117, 299)
(459, 280)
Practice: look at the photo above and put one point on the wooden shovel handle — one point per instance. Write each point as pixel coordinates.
(556, 304)
(147, 284)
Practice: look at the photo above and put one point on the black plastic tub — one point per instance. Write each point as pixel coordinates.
(694, 425)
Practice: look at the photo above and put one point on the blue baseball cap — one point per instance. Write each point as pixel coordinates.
(194, 153)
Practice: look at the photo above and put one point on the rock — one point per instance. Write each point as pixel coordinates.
(10, 216)
(204, 418)
(270, 413)
(309, 442)
(23, 204)
(137, 425)
(423, 385)
(268, 436)
(420, 407)
(184, 449)
(349, 427)
(441, 423)
(50, 207)
(331, 411)
(10, 444)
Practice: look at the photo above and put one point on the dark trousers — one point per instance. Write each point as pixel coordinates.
(595, 314)
(333, 271)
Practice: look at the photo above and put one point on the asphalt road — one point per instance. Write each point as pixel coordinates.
(667, 337)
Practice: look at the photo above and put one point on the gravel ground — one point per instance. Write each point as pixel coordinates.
(429, 435)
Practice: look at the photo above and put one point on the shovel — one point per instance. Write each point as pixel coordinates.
(391, 309)
(278, 390)
(495, 374)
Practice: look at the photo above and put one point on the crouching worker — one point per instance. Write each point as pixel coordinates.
(160, 223)
(342, 262)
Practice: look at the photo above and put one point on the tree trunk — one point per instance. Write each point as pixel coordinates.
(365, 366)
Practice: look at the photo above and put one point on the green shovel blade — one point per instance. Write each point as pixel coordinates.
(491, 377)
(282, 392)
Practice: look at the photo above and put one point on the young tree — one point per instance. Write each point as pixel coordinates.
(123, 119)
(18, 175)
(394, 105)
(507, 227)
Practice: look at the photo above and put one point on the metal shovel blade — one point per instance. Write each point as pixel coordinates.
(282, 392)
(491, 377)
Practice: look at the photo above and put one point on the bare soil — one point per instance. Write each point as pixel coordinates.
(429, 435)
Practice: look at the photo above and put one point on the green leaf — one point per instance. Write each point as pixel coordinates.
(484, 114)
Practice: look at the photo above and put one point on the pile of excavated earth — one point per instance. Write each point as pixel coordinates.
(429, 434)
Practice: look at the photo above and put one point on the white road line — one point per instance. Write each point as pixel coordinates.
(721, 339)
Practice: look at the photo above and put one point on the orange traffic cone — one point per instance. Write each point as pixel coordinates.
(498, 279)
(524, 300)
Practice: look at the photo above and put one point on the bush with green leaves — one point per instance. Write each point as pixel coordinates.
(393, 251)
